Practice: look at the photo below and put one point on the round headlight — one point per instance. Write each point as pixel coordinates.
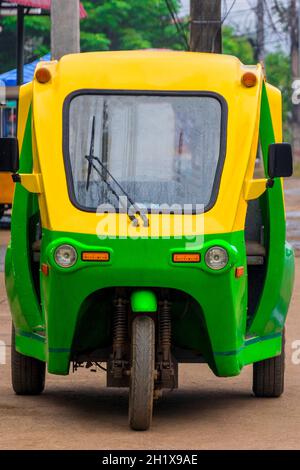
(216, 258)
(65, 256)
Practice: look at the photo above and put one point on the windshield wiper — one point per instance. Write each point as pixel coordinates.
(91, 158)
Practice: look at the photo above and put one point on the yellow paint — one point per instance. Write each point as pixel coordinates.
(154, 71)
(25, 100)
(275, 101)
(6, 188)
(253, 189)
(32, 182)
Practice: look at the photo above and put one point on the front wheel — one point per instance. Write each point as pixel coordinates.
(268, 375)
(27, 373)
(142, 373)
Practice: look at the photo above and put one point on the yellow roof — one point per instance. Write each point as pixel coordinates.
(150, 70)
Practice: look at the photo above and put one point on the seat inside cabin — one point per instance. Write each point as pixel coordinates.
(256, 255)
(254, 235)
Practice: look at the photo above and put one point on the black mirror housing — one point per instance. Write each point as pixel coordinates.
(9, 155)
(280, 161)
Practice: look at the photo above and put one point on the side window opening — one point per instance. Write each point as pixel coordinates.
(256, 243)
(35, 238)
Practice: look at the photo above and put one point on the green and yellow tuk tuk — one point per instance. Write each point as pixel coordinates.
(140, 236)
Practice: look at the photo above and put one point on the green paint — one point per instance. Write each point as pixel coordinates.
(143, 301)
(209, 314)
(276, 295)
(78, 303)
(31, 345)
(25, 308)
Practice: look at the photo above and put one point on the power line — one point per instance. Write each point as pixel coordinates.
(221, 23)
(178, 25)
(228, 12)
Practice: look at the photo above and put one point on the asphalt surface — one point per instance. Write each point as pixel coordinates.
(78, 412)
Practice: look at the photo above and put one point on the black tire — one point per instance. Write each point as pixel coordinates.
(27, 373)
(142, 373)
(268, 375)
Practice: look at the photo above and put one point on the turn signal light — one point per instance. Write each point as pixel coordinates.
(249, 79)
(43, 75)
(239, 272)
(95, 256)
(45, 269)
(186, 258)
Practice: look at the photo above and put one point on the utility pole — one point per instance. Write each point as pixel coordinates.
(260, 31)
(65, 27)
(20, 45)
(206, 26)
(295, 65)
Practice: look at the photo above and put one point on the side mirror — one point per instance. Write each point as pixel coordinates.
(9, 155)
(280, 161)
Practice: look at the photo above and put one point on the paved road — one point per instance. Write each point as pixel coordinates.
(78, 412)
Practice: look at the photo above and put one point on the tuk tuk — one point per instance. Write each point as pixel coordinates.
(140, 237)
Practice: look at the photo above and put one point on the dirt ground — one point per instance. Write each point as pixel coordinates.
(78, 412)
(292, 200)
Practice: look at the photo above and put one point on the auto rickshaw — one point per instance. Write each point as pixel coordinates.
(140, 237)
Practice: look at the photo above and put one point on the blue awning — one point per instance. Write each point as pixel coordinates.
(10, 78)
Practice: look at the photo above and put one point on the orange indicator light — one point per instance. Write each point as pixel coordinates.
(186, 258)
(239, 272)
(95, 256)
(249, 79)
(43, 75)
(45, 269)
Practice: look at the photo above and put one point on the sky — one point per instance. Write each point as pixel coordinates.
(239, 5)
(241, 17)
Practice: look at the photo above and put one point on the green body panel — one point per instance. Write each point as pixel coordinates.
(31, 344)
(77, 302)
(70, 310)
(214, 323)
(279, 279)
(143, 301)
(20, 287)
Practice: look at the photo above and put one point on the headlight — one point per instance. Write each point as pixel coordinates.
(65, 256)
(216, 258)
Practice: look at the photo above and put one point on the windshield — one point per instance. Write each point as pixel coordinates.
(158, 150)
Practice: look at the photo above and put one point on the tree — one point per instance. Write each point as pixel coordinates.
(239, 46)
(114, 24)
(119, 25)
(37, 40)
(278, 70)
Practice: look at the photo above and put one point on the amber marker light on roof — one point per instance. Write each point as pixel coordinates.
(43, 75)
(249, 79)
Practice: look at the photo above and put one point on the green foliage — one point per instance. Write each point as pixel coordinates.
(134, 24)
(239, 46)
(278, 70)
(37, 41)
(114, 24)
(129, 25)
(277, 64)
